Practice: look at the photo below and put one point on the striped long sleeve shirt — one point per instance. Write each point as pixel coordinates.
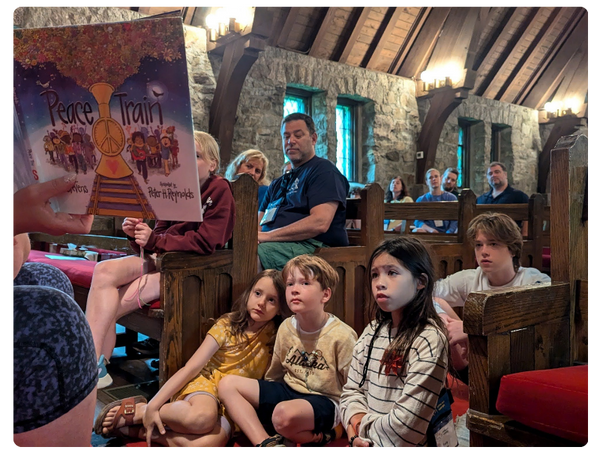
(398, 408)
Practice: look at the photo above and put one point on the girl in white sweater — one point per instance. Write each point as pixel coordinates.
(400, 362)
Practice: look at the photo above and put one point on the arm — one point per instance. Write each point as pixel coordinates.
(275, 371)
(191, 369)
(453, 227)
(453, 289)
(316, 223)
(353, 401)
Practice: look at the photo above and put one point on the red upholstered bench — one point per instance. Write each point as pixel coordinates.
(79, 271)
(554, 401)
(546, 259)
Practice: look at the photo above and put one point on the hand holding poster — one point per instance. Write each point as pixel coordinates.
(110, 103)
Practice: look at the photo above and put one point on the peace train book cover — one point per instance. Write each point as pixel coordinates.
(109, 102)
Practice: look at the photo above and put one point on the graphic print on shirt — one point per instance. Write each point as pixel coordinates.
(309, 362)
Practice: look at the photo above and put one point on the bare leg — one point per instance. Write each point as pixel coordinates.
(240, 396)
(106, 302)
(73, 429)
(295, 420)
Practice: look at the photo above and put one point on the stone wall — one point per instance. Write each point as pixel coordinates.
(524, 135)
(388, 103)
(391, 115)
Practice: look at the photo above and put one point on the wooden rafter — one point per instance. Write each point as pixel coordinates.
(574, 80)
(410, 38)
(567, 42)
(323, 28)
(421, 50)
(359, 20)
(505, 35)
(523, 40)
(512, 48)
(507, 88)
(548, 82)
(388, 24)
(488, 48)
(278, 26)
(290, 19)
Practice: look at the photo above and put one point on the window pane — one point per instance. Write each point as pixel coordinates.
(293, 104)
(344, 130)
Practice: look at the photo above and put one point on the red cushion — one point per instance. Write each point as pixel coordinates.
(79, 271)
(554, 401)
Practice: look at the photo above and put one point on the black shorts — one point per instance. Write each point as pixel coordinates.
(271, 393)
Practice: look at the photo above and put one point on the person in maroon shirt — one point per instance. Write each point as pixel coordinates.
(117, 287)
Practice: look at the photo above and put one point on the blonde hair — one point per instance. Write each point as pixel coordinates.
(501, 228)
(208, 148)
(315, 267)
(244, 157)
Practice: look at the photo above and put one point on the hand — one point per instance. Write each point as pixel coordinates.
(456, 334)
(151, 420)
(129, 225)
(142, 234)
(355, 421)
(36, 214)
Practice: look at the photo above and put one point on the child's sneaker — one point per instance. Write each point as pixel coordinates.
(104, 378)
(273, 441)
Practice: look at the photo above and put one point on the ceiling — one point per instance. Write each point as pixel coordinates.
(527, 56)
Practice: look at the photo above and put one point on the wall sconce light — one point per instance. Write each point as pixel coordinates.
(228, 20)
(440, 77)
(558, 109)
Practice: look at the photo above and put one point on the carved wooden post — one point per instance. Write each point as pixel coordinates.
(466, 212)
(568, 235)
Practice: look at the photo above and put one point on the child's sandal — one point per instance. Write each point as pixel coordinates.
(273, 441)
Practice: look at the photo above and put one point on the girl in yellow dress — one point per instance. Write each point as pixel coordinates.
(240, 343)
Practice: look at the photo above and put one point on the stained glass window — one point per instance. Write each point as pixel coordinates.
(344, 126)
(293, 104)
(460, 153)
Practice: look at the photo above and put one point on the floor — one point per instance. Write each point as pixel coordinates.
(132, 375)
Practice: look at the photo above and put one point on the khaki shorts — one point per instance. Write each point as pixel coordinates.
(275, 255)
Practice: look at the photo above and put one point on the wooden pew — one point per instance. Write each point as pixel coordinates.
(535, 327)
(194, 289)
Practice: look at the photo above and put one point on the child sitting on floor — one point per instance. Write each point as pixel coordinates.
(400, 361)
(241, 343)
(299, 398)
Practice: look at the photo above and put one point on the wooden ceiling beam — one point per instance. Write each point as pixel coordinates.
(505, 91)
(576, 64)
(421, 50)
(493, 38)
(574, 23)
(549, 79)
(387, 27)
(323, 28)
(504, 35)
(484, 85)
(278, 26)
(359, 20)
(512, 48)
(412, 34)
(290, 19)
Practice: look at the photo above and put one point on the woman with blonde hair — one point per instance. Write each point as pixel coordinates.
(254, 163)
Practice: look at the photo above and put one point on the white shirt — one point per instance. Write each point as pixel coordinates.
(456, 287)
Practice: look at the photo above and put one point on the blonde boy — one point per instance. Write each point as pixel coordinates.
(299, 398)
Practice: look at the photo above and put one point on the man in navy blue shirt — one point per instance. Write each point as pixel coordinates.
(435, 194)
(501, 192)
(305, 208)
